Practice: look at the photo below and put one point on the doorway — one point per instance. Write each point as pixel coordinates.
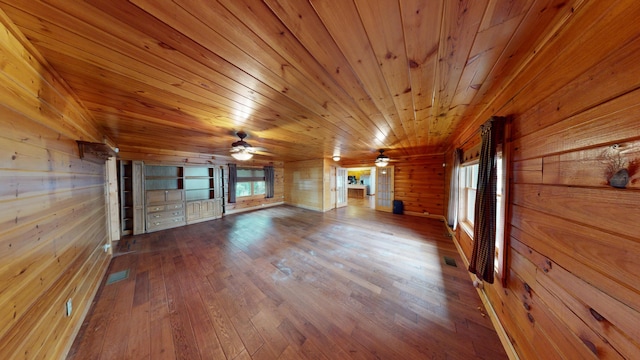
(384, 189)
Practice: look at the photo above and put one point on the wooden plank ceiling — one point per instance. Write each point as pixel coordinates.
(304, 78)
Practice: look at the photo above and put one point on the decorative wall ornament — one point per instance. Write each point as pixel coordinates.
(619, 170)
(95, 152)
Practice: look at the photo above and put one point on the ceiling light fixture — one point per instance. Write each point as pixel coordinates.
(242, 155)
(382, 160)
(336, 158)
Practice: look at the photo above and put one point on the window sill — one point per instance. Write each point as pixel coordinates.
(467, 227)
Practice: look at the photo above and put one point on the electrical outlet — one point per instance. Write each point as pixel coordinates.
(68, 307)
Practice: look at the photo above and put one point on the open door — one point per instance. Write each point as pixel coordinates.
(384, 189)
(341, 187)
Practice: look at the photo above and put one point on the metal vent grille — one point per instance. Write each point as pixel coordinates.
(450, 261)
(117, 276)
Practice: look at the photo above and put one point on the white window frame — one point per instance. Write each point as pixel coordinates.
(467, 185)
(468, 188)
(256, 176)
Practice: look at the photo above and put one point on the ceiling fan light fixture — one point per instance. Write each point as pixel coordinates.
(242, 155)
(382, 160)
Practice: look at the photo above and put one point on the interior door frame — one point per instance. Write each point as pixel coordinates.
(385, 189)
(341, 187)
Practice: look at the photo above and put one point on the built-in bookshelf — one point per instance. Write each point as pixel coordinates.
(125, 174)
(156, 197)
(161, 177)
(199, 183)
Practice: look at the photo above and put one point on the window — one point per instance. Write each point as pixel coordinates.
(501, 205)
(468, 186)
(250, 182)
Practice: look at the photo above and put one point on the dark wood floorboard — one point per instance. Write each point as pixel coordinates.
(288, 283)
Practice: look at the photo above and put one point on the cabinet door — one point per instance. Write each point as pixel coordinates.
(217, 208)
(194, 210)
(156, 196)
(173, 195)
(208, 208)
(138, 197)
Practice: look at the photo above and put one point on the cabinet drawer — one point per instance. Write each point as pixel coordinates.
(157, 224)
(155, 208)
(174, 206)
(165, 215)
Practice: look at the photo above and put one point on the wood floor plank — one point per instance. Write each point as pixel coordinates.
(289, 283)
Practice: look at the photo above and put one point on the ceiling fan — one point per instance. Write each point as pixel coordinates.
(242, 150)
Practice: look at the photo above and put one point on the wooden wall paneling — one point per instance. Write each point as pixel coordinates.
(605, 74)
(589, 167)
(608, 209)
(569, 314)
(607, 123)
(622, 340)
(544, 322)
(528, 171)
(419, 183)
(521, 344)
(305, 186)
(39, 93)
(609, 255)
(578, 20)
(55, 220)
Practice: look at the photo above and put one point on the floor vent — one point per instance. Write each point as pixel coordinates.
(115, 277)
(450, 261)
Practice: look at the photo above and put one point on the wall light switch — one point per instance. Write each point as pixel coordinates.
(68, 307)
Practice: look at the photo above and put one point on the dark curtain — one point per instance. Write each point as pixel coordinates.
(454, 187)
(484, 230)
(233, 179)
(269, 179)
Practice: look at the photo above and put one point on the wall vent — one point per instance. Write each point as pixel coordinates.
(117, 276)
(450, 261)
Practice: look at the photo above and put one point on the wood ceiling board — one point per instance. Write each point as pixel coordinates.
(343, 23)
(303, 23)
(313, 76)
(421, 24)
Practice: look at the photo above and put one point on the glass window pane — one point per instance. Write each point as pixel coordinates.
(471, 205)
(243, 189)
(244, 173)
(258, 188)
(474, 176)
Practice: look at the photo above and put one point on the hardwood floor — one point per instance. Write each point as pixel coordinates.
(288, 283)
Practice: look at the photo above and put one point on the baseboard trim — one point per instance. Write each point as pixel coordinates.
(502, 334)
(263, 206)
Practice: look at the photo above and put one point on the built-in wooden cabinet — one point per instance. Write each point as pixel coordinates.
(157, 197)
(137, 177)
(165, 209)
(204, 200)
(125, 175)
